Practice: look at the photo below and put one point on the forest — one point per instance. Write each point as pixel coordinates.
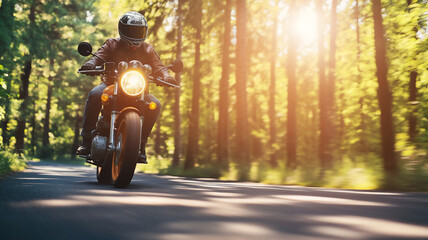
(312, 92)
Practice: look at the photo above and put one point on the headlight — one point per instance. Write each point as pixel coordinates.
(133, 83)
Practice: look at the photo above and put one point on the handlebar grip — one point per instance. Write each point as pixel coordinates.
(91, 72)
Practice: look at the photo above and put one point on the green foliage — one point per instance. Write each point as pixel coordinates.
(58, 26)
(11, 163)
(3, 92)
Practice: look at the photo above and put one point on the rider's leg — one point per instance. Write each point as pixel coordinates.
(150, 117)
(90, 117)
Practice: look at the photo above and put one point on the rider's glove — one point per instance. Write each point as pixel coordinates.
(171, 80)
(87, 66)
(167, 79)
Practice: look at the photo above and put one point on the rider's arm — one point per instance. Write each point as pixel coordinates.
(156, 63)
(103, 53)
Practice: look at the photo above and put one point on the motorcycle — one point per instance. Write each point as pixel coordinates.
(116, 141)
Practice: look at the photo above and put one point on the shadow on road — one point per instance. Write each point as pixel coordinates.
(61, 201)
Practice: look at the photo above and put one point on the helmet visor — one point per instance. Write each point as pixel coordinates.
(133, 32)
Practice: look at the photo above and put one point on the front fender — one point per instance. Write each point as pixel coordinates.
(123, 112)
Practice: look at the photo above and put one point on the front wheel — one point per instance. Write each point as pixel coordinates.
(127, 148)
(104, 172)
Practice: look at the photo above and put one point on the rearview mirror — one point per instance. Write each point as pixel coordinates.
(84, 48)
(177, 66)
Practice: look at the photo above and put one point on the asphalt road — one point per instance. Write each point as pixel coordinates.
(59, 201)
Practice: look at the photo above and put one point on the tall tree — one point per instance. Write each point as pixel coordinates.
(324, 138)
(33, 122)
(193, 138)
(292, 90)
(332, 67)
(157, 136)
(413, 92)
(384, 93)
(177, 117)
(25, 81)
(46, 121)
(362, 125)
(272, 87)
(242, 129)
(223, 115)
(23, 96)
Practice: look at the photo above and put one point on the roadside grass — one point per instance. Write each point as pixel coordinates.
(356, 171)
(349, 173)
(160, 165)
(10, 163)
(413, 174)
(66, 159)
(363, 172)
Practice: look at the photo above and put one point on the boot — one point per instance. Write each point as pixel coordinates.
(142, 158)
(85, 148)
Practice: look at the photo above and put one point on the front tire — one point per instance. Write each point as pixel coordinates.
(104, 173)
(125, 157)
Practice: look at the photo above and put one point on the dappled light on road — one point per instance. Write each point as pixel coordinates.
(167, 207)
(330, 200)
(365, 226)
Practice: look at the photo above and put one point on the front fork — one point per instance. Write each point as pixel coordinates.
(141, 130)
(114, 113)
(112, 145)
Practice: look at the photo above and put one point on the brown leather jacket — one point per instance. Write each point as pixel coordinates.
(114, 50)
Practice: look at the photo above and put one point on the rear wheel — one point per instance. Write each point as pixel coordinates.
(127, 148)
(104, 173)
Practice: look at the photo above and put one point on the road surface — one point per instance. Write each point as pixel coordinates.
(60, 201)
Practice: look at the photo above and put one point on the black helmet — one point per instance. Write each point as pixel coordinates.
(133, 28)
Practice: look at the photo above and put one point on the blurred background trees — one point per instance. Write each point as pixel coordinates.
(271, 89)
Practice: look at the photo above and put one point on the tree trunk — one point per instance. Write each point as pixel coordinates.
(242, 129)
(23, 90)
(272, 86)
(177, 117)
(209, 131)
(223, 116)
(332, 57)
(384, 93)
(324, 140)
(158, 136)
(255, 141)
(413, 92)
(362, 125)
(331, 87)
(46, 125)
(292, 94)
(23, 96)
(193, 138)
(33, 128)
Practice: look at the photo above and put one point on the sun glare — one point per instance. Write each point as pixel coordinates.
(305, 26)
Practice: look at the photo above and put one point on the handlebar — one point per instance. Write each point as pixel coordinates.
(92, 72)
(99, 70)
(159, 80)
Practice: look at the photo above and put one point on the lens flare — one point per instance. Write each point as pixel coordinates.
(305, 25)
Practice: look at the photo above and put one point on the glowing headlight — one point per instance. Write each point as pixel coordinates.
(133, 83)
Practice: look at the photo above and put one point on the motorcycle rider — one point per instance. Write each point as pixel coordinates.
(131, 45)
